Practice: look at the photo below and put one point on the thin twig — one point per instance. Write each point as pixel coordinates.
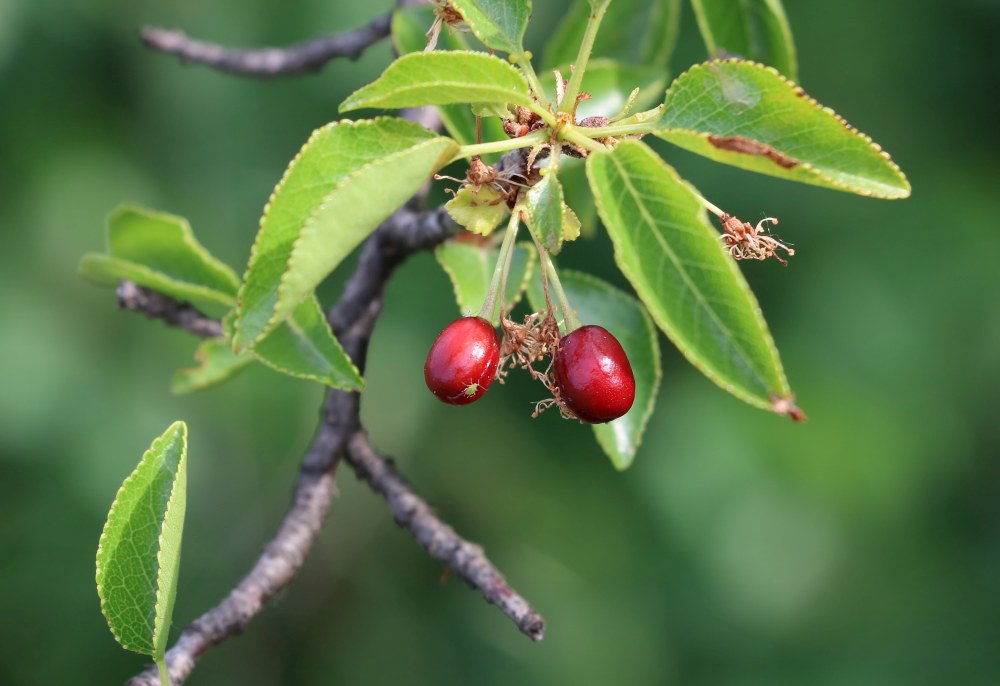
(414, 514)
(267, 63)
(137, 298)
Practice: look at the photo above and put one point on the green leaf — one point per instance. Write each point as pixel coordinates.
(442, 78)
(159, 251)
(598, 302)
(138, 556)
(499, 24)
(346, 180)
(477, 210)
(409, 26)
(573, 177)
(544, 212)
(751, 29)
(675, 260)
(749, 116)
(304, 347)
(609, 84)
(633, 31)
(216, 363)
(470, 268)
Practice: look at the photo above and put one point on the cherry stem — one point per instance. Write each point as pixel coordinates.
(570, 321)
(586, 46)
(498, 285)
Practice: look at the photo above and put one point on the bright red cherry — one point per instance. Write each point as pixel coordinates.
(594, 375)
(463, 361)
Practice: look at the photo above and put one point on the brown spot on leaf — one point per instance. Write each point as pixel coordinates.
(747, 146)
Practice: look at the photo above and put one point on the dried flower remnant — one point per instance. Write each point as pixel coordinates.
(746, 242)
(444, 14)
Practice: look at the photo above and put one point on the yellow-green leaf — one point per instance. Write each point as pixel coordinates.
(138, 556)
(442, 78)
(749, 116)
(477, 210)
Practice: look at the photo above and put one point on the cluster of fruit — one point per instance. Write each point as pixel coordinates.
(591, 375)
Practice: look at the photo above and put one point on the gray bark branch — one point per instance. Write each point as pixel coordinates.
(267, 63)
(414, 514)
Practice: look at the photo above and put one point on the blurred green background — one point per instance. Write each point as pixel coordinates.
(862, 548)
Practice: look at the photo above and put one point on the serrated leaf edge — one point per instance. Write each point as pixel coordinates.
(293, 164)
(350, 103)
(906, 188)
(148, 454)
(200, 360)
(388, 160)
(679, 342)
(187, 237)
(160, 621)
(359, 386)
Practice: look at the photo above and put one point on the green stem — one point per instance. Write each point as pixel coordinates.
(489, 309)
(572, 134)
(529, 141)
(161, 666)
(570, 321)
(580, 66)
(546, 116)
(524, 62)
(618, 129)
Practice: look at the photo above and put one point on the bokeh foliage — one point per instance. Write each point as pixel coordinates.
(860, 548)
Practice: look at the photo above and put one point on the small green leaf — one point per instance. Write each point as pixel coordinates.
(470, 268)
(442, 78)
(409, 27)
(573, 177)
(598, 302)
(544, 212)
(751, 29)
(159, 251)
(749, 116)
(477, 210)
(570, 225)
(609, 83)
(346, 180)
(499, 24)
(216, 363)
(138, 556)
(674, 259)
(304, 347)
(633, 31)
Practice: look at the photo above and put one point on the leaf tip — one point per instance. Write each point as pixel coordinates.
(786, 407)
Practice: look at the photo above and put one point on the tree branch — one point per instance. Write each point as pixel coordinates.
(352, 319)
(267, 63)
(414, 514)
(155, 305)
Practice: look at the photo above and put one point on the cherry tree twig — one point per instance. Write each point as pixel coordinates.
(440, 540)
(267, 63)
(340, 434)
(133, 297)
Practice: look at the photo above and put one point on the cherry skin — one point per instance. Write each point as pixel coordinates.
(594, 376)
(463, 361)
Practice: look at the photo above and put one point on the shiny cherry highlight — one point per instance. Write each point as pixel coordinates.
(593, 375)
(463, 361)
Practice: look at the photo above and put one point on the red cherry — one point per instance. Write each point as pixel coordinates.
(594, 375)
(463, 361)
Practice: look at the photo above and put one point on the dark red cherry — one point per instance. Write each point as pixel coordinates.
(594, 375)
(463, 361)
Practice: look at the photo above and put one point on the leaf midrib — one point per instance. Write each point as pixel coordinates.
(683, 272)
